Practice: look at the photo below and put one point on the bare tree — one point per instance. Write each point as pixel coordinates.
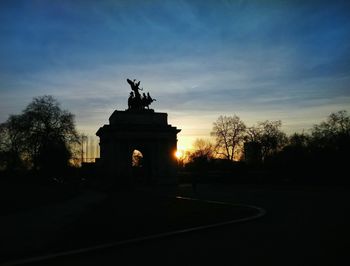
(337, 124)
(229, 133)
(267, 137)
(203, 149)
(272, 138)
(332, 135)
(12, 143)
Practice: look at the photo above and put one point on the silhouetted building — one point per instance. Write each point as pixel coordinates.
(145, 131)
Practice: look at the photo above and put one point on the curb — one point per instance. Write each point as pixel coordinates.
(261, 212)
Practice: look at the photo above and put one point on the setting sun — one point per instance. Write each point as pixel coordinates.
(178, 154)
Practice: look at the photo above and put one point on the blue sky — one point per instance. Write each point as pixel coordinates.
(287, 60)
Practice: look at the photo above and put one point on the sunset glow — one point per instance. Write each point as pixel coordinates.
(280, 61)
(178, 154)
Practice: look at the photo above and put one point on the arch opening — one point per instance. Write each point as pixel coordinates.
(137, 159)
(140, 167)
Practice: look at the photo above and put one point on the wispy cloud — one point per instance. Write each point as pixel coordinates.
(287, 60)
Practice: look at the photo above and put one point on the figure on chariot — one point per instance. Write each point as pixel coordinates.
(135, 100)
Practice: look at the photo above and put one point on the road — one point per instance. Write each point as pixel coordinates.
(303, 226)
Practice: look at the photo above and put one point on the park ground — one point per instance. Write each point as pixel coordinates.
(303, 225)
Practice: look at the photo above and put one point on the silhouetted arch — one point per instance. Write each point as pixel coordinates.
(145, 131)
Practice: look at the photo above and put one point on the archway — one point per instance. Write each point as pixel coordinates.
(139, 167)
(147, 132)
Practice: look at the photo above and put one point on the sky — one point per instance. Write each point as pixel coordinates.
(260, 60)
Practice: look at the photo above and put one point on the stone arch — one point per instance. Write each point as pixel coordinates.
(147, 132)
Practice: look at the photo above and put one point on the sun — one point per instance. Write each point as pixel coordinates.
(178, 154)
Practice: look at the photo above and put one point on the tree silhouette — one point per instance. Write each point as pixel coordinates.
(330, 141)
(267, 137)
(12, 143)
(203, 150)
(42, 135)
(333, 131)
(229, 133)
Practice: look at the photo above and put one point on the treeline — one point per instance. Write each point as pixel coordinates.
(42, 141)
(264, 153)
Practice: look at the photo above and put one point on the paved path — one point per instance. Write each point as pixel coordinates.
(303, 226)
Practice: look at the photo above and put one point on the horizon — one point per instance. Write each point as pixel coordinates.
(287, 61)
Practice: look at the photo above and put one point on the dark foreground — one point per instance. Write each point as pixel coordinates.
(34, 228)
(303, 226)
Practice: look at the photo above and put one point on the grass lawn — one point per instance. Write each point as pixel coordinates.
(125, 217)
(22, 197)
(116, 217)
